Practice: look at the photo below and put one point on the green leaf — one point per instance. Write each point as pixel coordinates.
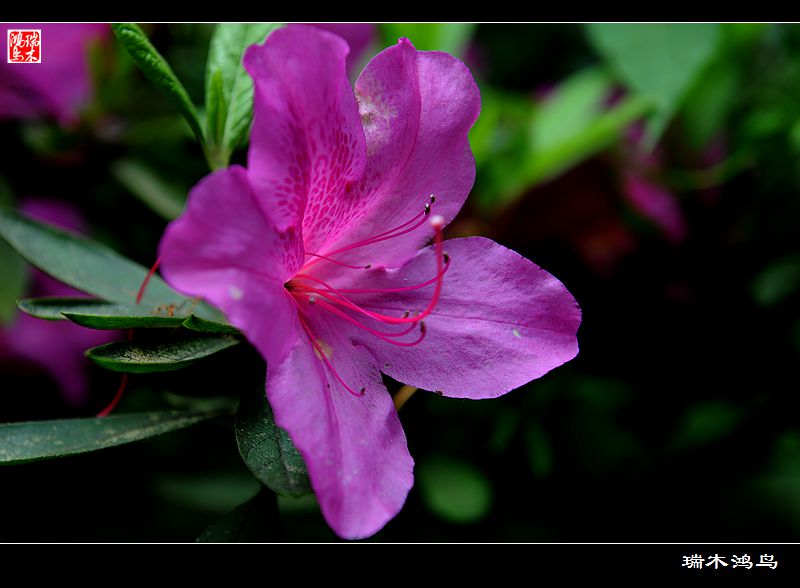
(134, 357)
(659, 61)
(707, 422)
(216, 109)
(519, 143)
(31, 441)
(456, 491)
(201, 325)
(143, 182)
(266, 448)
(89, 266)
(576, 122)
(451, 38)
(229, 88)
(254, 521)
(540, 454)
(778, 281)
(97, 314)
(158, 71)
(214, 491)
(13, 283)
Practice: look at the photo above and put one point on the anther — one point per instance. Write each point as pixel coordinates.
(446, 257)
(363, 391)
(433, 198)
(368, 266)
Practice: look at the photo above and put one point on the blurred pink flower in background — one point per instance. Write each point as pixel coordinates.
(359, 36)
(54, 346)
(60, 86)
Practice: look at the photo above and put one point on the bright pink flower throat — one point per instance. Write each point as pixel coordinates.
(309, 293)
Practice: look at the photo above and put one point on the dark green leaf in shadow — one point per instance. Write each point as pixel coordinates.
(254, 521)
(143, 182)
(13, 281)
(31, 441)
(454, 490)
(266, 448)
(135, 357)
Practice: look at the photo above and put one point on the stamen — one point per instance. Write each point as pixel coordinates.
(146, 281)
(117, 397)
(380, 335)
(324, 358)
(437, 221)
(123, 384)
(403, 289)
(325, 297)
(390, 234)
(323, 257)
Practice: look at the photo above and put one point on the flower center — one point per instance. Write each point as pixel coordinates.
(309, 293)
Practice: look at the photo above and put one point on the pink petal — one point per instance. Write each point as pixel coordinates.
(417, 108)
(354, 447)
(501, 321)
(225, 249)
(307, 143)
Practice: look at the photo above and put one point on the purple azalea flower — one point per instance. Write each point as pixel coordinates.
(60, 86)
(317, 252)
(55, 346)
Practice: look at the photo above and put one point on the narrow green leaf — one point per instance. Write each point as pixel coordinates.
(575, 123)
(113, 321)
(143, 182)
(13, 281)
(235, 90)
(134, 357)
(31, 441)
(660, 61)
(89, 266)
(98, 314)
(158, 71)
(52, 308)
(216, 109)
(266, 448)
(201, 325)
(254, 521)
(520, 143)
